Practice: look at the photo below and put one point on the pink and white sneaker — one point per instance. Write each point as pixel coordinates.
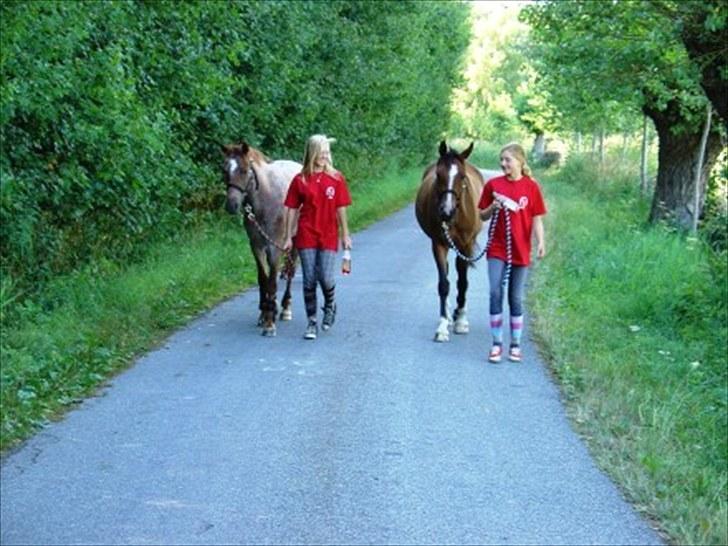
(496, 352)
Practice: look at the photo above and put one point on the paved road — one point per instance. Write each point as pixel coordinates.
(371, 434)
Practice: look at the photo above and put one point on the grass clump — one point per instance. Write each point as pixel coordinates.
(633, 321)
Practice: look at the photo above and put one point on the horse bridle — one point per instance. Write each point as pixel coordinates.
(464, 187)
(245, 190)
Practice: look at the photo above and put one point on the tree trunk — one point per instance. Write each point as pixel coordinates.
(643, 158)
(539, 147)
(601, 146)
(578, 142)
(677, 161)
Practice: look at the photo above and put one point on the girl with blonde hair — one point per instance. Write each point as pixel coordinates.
(319, 196)
(516, 205)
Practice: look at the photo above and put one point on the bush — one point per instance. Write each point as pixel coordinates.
(113, 140)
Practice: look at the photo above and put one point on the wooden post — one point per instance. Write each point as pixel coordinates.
(643, 158)
(699, 168)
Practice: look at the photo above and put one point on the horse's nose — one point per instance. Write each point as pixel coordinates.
(232, 207)
(446, 213)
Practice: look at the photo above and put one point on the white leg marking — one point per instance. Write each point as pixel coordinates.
(442, 333)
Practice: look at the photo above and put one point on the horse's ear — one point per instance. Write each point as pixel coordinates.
(443, 148)
(467, 151)
(225, 149)
(244, 148)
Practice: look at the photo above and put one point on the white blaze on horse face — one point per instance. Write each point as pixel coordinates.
(232, 166)
(449, 205)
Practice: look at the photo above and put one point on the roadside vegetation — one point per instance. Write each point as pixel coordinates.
(632, 319)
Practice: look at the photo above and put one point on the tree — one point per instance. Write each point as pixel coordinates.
(633, 53)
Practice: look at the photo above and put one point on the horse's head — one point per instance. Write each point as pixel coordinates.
(238, 174)
(450, 180)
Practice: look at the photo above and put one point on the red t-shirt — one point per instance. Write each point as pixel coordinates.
(526, 192)
(318, 198)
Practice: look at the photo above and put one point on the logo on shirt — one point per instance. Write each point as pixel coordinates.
(522, 203)
(330, 192)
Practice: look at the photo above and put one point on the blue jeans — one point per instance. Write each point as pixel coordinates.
(516, 287)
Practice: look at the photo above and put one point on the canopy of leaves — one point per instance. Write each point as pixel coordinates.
(591, 54)
(112, 112)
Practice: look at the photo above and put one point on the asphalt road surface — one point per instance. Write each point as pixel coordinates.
(371, 434)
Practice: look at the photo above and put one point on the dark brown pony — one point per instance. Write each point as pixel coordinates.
(258, 187)
(447, 206)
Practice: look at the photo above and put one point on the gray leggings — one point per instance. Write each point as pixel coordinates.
(516, 285)
(318, 267)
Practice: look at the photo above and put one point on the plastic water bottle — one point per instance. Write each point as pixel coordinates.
(346, 262)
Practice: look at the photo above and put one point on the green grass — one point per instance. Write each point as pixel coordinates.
(61, 344)
(633, 322)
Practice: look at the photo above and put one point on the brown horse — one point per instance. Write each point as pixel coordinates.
(259, 187)
(447, 211)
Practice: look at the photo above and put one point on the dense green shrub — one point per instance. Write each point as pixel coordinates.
(112, 112)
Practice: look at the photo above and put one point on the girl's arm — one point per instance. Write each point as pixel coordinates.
(289, 222)
(540, 240)
(344, 227)
(488, 211)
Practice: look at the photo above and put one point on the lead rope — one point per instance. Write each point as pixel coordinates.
(288, 268)
(452, 245)
(509, 243)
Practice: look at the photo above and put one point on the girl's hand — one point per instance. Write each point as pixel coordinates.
(346, 242)
(541, 250)
(287, 244)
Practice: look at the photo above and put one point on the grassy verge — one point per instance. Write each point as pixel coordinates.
(62, 344)
(633, 322)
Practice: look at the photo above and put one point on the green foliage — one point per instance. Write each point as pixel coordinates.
(633, 319)
(487, 103)
(112, 112)
(599, 60)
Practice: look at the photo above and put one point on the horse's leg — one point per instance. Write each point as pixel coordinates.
(461, 320)
(443, 289)
(269, 304)
(290, 267)
(262, 279)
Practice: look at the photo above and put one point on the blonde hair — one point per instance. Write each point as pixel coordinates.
(312, 152)
(518, 152)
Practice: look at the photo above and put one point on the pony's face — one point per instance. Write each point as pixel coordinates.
(450, 180)
(236, 172)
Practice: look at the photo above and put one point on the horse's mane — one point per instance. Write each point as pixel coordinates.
(256, 156)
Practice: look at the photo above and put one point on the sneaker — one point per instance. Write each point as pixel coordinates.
(514, 353)
(329, 317)
(311, 330)
(495, 354)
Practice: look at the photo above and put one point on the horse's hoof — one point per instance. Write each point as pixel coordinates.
(286, 314)
(461, 327)
(269, 331)
(442, 337)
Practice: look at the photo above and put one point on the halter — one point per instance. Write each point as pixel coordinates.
(446, 227)
(251, 174)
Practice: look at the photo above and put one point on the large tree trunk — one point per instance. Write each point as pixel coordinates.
(677, 159)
